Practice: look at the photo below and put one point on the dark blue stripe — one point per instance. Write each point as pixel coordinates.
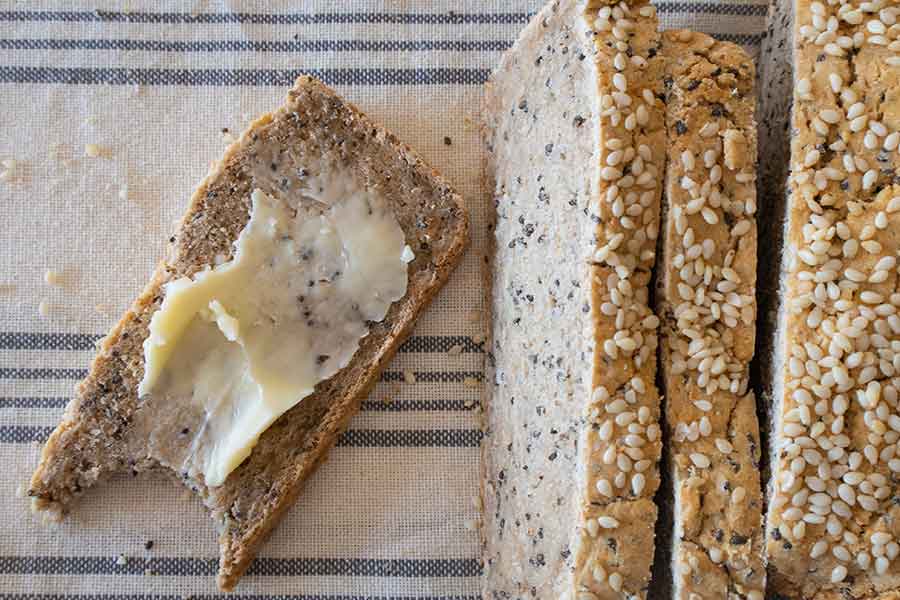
(708, 8)
(86, 341)
(262, 566)
(448, 18)
(41, 373)
(413, 405)
(354, 438)
(229, 596)
(240, 77)
(258, 46)
(743, 39)
(23, 434)
(410, 438)
(15, 340)
(368, 405)
(27, 373)
(32, 402)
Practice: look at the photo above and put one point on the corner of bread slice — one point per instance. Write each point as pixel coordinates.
(108, 429)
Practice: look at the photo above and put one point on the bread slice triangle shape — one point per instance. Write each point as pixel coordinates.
(109, 429)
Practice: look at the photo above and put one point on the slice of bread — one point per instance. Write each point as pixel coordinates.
(107, 429)
(576, 141)
(706, 298)
(831, 128)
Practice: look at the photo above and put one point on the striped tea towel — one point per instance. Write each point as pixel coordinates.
(111, 112)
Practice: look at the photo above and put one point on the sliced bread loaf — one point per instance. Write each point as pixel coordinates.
(576, 140)
(108, 429)
(706, 301)
(831, 129)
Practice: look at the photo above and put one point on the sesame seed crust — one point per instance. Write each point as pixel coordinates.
(833, 523)
(706, 300)
(620, 447)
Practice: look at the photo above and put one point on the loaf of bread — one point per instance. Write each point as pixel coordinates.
(706, 301)
(831, 129)
(107, 429)
(576, 141)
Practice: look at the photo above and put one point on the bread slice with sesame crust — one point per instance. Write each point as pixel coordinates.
(105, 429)
(706, 301)
(576, 141)
(831, 74)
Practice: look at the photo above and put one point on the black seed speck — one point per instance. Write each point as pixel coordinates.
(680, 127)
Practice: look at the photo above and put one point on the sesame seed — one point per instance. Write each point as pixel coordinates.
(709, 129)
(637, 483)
(607, 522)
(700, 460)
(615, 582)
(869, 179)
(838, 574)
(829, 115)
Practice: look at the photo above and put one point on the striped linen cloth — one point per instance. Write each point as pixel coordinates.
(157, 89)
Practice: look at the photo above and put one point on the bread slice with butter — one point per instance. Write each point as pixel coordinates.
(301, 265)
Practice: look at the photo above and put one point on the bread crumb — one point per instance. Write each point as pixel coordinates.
(51, 277)
(148, 572)
(469, 403)
(20, 491)
(9, 169)
(51, 516)
(387, 399)
(44, 308)
(454, 350)
(121, 560)
(92, 150)
(471, 524)
(409, 376)
(123, 191)
(103, 309)
(470, 382)
(475, 316)
(478, 338)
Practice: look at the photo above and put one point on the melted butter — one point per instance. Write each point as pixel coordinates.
(245, 341)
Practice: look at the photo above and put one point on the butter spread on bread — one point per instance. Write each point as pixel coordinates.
(248, 339)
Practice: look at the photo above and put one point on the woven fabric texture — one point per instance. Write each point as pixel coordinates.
(111, 114)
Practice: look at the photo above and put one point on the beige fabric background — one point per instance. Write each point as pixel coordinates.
(154, 84)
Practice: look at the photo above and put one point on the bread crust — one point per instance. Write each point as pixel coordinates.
(842, 103)
(710, 224)
(95, 438)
